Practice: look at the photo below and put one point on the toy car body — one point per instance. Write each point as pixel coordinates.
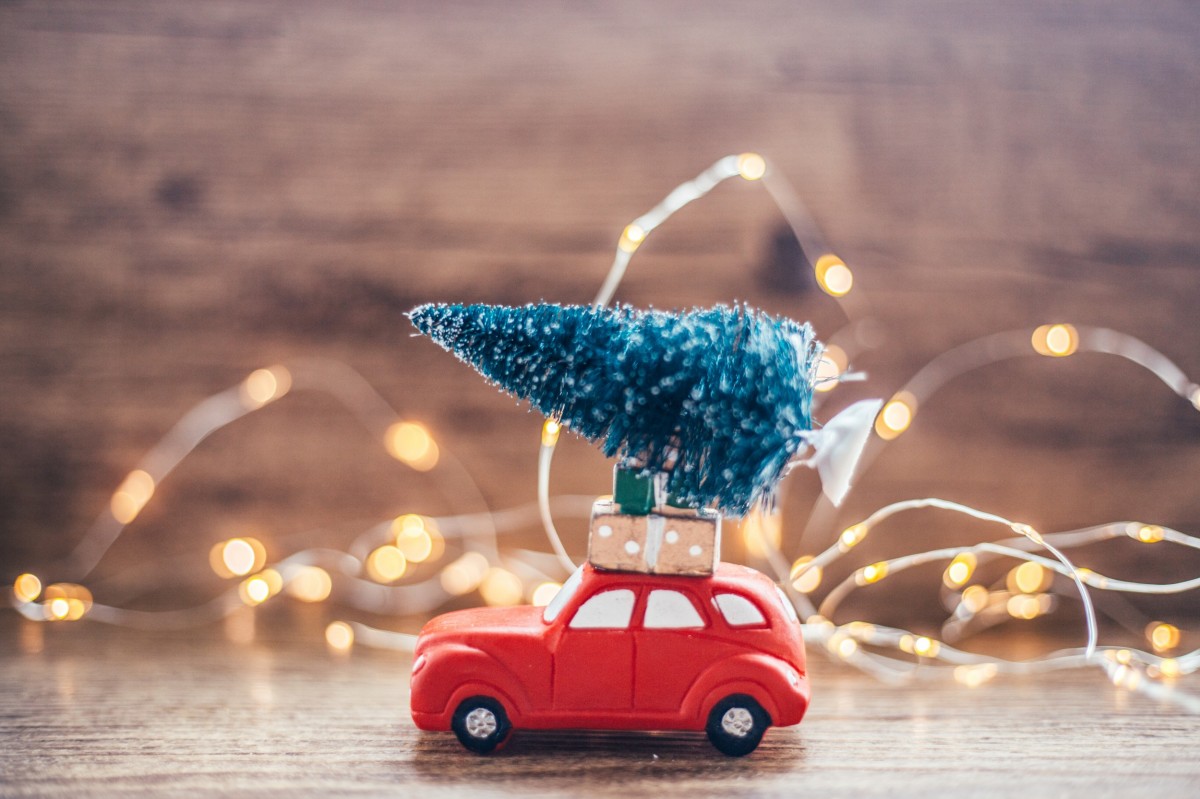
(619, 651)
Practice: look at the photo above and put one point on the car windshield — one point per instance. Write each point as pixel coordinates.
(788, 607)
(563, 596)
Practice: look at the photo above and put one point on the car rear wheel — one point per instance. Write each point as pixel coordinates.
(481, 724)
(736, 725)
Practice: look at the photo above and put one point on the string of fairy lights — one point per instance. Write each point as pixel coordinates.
(415, 564)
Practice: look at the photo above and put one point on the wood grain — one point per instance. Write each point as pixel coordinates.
(191, 191)
(102, 713)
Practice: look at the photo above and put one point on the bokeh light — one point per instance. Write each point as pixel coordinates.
(896, 416)
(805, 578)
(340, 636)
(265, 385)
(27, 587)
(833, 276)
(412, 444)
(1055, 341)
(751, 166)
(500, 587)
(463, 575)
(544, 593)
(132, 495)
(310, 584)
(386, 564)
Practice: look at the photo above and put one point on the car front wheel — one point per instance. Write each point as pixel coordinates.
(481, 724)
(736, 725)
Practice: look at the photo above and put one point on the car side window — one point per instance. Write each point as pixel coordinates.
(671, 610)
(607, 610)
(739, 611)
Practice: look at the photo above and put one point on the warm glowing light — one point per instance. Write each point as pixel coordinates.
(1169, 667)
(844, 647)
(310, 584)
(412, 538)
(1162, 636)
(411, 443)
(762, 533)
(860, 629)
(75, 609)
(59, 608)
(1056, 341)
(833, 276)
(340, 636)
(387, 564)
(1126, 676)
(925, 647)
(544, 593)
(974, 676)
(67, 601)
(27, 587)
(241, 556)
(1026, 530)
(273, 579)
(751, 166)
(550, 433)
(254, 590)
(1028, 578)
(1194, 397)
(1147, 533)
(1024, 606)
(805, 578)
(132, 495)
(631, 237)
(851, 536)
(833, 362)
(463, 576)
(501, 588)
(265, 385)
(896, 416)
(975, 598)
(959, 570)
(409, 521)
(871, 574)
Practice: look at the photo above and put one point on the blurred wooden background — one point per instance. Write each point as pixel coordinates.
(189, 191)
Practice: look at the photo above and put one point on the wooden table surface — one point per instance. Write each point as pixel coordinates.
(85, 711)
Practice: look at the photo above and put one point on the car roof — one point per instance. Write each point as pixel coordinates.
(727, 576)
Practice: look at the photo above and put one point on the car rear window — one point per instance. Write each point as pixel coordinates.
(671, 610)
(739, 611)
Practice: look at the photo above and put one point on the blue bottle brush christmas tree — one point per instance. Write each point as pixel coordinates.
(720, 399)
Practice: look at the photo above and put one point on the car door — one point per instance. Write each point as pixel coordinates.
(674, 644)
(593, 660)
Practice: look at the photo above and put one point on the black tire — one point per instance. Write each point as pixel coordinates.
(740, 733)
(481, 724)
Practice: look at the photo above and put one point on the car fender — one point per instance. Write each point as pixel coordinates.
(452, 672)
(759, 675)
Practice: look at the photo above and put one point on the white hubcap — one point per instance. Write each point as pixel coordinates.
(737, 721)
(481, 722)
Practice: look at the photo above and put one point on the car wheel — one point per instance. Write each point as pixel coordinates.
(481, 724)
(736, 725)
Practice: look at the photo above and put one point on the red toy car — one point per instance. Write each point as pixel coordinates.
(619, 651)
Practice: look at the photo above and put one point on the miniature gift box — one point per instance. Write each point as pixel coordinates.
(668, 541)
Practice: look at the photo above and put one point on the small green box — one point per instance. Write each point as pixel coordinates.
(632, 492)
